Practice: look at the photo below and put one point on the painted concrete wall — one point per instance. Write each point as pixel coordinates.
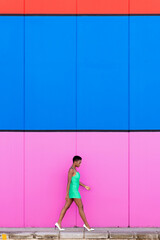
(70, 71)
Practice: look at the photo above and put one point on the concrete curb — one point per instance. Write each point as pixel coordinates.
(81, 233)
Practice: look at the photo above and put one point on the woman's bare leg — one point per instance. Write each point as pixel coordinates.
(79, 203)
(64, 209)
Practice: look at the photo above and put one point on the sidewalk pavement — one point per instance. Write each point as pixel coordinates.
(77, 233)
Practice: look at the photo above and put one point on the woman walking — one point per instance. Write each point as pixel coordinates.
(73, 194)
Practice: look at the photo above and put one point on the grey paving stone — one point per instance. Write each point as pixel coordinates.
(71, 234)
(78, 229)
(145, 229)
(146, 235)
(21, 235)
(121, 235)
(95, 234)
(46, 235)
(124, 238)
(73, 238)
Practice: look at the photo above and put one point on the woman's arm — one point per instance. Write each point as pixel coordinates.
(83, 185)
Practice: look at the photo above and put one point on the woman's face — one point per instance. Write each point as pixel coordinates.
(79, 163)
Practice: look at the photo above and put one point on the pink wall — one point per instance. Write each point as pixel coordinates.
(145, 179)
(121, 168)
(12, 179)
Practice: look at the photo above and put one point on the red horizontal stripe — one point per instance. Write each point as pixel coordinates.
(11, 6)
(144, 6)
(80, 7)
(102, 6)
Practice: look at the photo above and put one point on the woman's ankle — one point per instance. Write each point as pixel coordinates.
(87, 225)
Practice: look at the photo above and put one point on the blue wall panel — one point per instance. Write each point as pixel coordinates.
(102, 72)
(144, 72)
(11, 72)
(50, 75)
(50, 72)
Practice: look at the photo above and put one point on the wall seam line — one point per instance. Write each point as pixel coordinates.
(76, 97)
(24, 224)
(128, 113)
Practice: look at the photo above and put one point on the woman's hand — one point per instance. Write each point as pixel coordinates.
(67, 197)
(87, 187)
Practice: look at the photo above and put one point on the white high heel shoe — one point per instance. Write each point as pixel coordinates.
(57, 225)
(88, 228)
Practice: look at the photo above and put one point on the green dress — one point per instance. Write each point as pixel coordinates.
(74, 186)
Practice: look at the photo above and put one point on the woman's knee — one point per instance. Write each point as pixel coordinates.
(80, 207)
(67, 205)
